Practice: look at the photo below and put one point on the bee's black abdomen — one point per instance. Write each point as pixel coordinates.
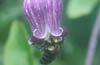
(48, 57)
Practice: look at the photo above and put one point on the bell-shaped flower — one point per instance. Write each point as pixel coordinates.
(44, 17)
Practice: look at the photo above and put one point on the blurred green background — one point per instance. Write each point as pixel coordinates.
(78, 18)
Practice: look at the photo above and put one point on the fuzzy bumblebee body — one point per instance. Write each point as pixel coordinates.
(48, 57)
(50, 50)
(49, 54)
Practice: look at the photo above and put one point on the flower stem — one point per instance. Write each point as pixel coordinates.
(93, 41)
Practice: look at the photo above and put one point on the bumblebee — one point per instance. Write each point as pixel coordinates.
(49, 53)
(50, 47)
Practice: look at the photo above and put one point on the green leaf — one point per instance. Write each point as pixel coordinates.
(17, 51)
(78, 8)
(37, 55)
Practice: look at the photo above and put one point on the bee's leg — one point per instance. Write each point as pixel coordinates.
(41, 46)
(44, 46)
(62, 40)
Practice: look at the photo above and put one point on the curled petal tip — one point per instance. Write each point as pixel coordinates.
(58, 32)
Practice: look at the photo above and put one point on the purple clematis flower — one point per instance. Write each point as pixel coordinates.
(44, 17)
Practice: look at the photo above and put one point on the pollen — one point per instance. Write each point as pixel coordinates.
(51, 48)
(56, 40)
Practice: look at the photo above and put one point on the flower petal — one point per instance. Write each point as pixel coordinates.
(34, 12)
(54, 13)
